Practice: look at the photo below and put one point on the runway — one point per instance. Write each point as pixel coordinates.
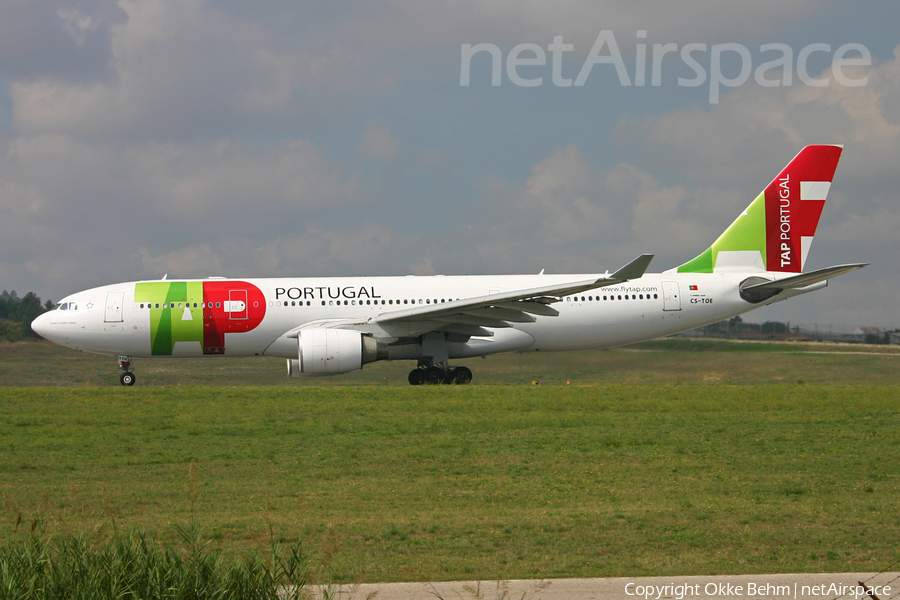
(802, 586)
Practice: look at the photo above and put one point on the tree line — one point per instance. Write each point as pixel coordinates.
(16, 315)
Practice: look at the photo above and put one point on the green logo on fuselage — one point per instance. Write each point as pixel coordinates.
(176, 313)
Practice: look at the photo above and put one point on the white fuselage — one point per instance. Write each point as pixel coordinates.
(114, 320)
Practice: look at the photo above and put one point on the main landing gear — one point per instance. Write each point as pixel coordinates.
(127, 377)
(431, 374)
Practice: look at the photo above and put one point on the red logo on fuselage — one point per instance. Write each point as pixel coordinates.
(229, 307)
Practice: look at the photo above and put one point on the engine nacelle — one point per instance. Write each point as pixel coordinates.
(333, 352)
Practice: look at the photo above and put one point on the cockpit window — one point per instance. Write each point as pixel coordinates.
(66, 306)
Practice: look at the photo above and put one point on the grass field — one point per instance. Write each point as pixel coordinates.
(672, 361)
(675, 458)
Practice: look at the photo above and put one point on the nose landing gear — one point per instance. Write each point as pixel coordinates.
(127, 377)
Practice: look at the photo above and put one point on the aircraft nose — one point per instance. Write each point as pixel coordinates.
(40, 327)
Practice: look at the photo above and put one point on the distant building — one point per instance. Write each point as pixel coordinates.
(895, 338)
(869, 335)
(864, 331)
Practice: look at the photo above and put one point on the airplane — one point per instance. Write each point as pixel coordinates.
(336, 325)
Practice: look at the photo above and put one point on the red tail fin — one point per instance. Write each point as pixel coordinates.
(794, 202)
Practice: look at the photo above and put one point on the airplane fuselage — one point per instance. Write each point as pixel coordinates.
(223, 317)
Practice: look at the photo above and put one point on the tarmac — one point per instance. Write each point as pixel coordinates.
(800, 586)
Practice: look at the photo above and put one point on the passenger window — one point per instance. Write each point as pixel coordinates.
(620, 297)
(218, 305)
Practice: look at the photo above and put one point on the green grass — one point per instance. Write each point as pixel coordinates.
(392, 483)
(134, 566)
(669, 361)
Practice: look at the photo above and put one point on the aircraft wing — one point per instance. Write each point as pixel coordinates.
(756, 291)
(472, 315)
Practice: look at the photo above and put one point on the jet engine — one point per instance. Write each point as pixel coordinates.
(333, 352)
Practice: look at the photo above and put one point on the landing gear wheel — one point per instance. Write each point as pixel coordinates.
(460, 375)
(127, 378)
(434, 375)
(417, 377)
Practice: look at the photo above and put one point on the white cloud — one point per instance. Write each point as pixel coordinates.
(311, 252)
(91, 204)
(377, 144)
(566, 196)
(873, 229)
(412, 23)
(181, 68)
(77, 24)
(423, 267)
(567, 207)
(197, 260)
(737, 140)
(188, 68)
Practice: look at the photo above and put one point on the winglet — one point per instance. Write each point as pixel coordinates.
(633, 270)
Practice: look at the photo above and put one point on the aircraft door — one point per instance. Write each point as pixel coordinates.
(237, 305)
(114, 302)
(671, 295)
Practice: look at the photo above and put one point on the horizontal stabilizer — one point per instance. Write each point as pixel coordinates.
(754, 290)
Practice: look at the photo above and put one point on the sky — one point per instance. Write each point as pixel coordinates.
(193, 139)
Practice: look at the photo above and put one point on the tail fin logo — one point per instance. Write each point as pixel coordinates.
(776, 231)
(794, 202)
